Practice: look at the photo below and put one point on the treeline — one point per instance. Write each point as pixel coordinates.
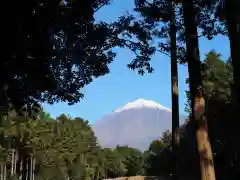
(66, 148)
(47, 148)
(61, 148)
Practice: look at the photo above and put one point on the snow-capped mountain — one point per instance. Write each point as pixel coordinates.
(136, 124)
(142, 103)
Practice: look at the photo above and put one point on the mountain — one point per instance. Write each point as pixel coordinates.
(136, 125)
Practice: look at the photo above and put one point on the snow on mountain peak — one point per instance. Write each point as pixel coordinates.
(140, 103)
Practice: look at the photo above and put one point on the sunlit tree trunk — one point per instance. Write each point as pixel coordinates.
(12, 161)
(197, 99)
(15, 162)
(97, 175)
(174, 83)
(27, 168)
(14, 155)
(33, 168)
(5, 172)
(21, 168)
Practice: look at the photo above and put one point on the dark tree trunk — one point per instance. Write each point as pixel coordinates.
(24, 167)
(174, 84)
(19, 167)
(1, 170)
(233, 25)
(196, 91)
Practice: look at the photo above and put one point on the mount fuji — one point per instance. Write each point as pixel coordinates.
(136, 125)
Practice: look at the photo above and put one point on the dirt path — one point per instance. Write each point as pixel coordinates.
(147, 178)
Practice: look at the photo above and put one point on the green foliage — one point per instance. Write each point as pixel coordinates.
(222, 126)
(44, 115)
(132, 159)
(61, 148)
(157, 15)
(159, 151)
(221, 115)
(217, 78)
(60, 48)
(66, 147)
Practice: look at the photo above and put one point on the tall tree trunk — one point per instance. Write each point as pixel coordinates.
(15, 162)
(233, 25)
(33, 168)
(174, 84)
(30, 167)
(18, 166)
(27, 167)
(12, 161)
(24, 167)
(97, 175)
(196, 91)
(1, 170)
(21, 168)
(5, 172)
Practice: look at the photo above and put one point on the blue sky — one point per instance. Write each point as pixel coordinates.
(123, 85)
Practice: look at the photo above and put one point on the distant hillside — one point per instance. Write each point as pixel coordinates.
(136, 124)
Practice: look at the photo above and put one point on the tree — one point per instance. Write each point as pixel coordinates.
(44, 115)
(58, 149)
(160, 151)
(222, 116)
(159, 10)
(132, 159)
(114, 164)
(193, 59)
(229, 11)
(174, 82)
(60, 48)
(222, 127)
(196, 93)
(220, 112)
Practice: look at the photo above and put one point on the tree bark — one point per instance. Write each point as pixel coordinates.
(1, 170)
(27, 167)
(19, 164)
(233, 25)
(12, 162)
(5, 171)
(174, 84)
(33, 168)
(15, 162)
(24, 167)
(196, 91)
(21, 168)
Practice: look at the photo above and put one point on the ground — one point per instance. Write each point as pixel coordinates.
(139, 178)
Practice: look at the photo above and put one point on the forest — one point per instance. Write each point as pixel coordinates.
(66, 146)
(55, 48)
